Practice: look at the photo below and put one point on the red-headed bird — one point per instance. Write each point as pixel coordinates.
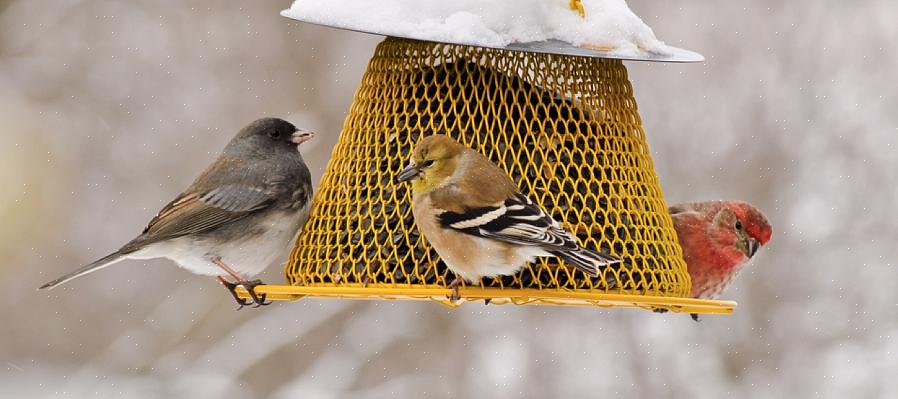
(718, 239)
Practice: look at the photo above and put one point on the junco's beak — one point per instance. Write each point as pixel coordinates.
(410, 172)
(301, 136)
(753, 246)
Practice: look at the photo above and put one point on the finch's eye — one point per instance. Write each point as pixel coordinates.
(738, 225)
(428, 163)
(274, 133)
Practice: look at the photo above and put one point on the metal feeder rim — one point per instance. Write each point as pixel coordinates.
(497, 296)
(558, 47)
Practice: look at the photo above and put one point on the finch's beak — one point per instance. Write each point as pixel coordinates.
(301, 136)
(410, 172)
(753, 246)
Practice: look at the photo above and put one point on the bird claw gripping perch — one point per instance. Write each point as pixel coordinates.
(250, 286)
(454, 297)
(232, 288)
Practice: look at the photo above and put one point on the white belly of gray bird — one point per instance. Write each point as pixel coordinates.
(247, 256)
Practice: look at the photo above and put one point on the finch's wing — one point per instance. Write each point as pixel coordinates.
(684, 208)
(192, 213)
(516, 220)
(684, 216)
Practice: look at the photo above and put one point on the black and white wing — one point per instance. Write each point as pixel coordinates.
(519, 221)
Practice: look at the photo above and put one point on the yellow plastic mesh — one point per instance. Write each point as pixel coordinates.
(566, 129)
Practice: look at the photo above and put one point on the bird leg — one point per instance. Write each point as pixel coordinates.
(454, 286)
(249, 285)
(695, 316)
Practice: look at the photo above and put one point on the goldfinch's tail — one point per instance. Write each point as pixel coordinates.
(587, 260)
(107, 260)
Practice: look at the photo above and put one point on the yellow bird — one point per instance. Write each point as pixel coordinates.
(478, 221)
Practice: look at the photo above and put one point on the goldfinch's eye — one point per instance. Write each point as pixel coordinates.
(274, 133)
(738, 225)
(428, 163)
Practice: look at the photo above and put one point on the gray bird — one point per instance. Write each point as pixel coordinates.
(237, 217)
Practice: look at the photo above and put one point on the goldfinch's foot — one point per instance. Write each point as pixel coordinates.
(695, 316)
(454, 286)
(659, 310)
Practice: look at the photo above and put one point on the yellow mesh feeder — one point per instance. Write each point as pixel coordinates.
(565, 128)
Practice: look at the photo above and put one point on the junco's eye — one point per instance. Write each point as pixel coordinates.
(274, 133)
(428, 163)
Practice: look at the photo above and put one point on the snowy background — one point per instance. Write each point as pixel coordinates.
(108, 109)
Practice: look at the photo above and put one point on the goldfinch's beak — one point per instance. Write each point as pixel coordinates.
(301, 136)
(753, 246)
(410, 172)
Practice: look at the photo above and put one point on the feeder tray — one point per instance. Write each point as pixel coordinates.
(565, 128)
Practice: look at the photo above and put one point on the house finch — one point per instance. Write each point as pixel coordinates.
(718, 239)
(478, 221)
(237, 217)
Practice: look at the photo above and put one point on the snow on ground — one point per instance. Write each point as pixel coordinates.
(609, 25)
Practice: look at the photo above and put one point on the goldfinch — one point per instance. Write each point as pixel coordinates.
(478, 221)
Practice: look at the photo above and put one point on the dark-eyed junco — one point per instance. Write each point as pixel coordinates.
(237, 217)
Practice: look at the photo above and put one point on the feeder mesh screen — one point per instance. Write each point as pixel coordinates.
(566, 130)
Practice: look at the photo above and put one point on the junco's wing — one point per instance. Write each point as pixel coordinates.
(229, 190)
(194, 212)
(519, 221)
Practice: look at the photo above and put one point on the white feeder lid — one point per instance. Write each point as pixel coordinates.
(538, 26)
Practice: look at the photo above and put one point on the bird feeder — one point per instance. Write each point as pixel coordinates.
(560, 120)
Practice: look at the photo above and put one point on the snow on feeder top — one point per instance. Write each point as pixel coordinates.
(596, 28)
(565, 128)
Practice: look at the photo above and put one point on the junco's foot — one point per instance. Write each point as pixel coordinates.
(250, 286)
(237, 217)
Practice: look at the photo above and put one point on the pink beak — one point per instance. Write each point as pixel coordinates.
(301, 136)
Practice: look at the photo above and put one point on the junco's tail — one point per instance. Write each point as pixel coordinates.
(587, 260)
(107, 260)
